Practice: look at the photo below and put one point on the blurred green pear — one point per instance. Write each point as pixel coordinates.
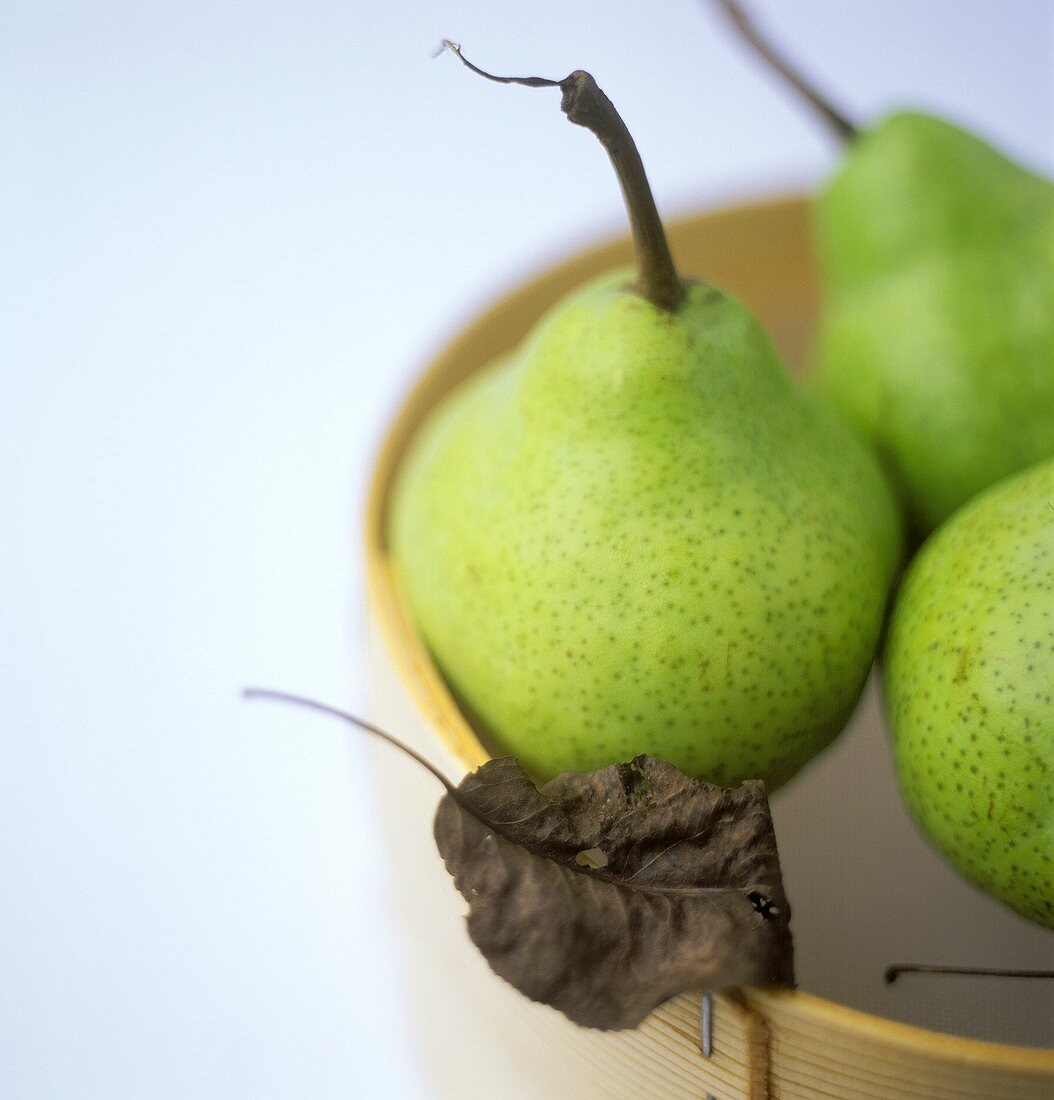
(936, 336)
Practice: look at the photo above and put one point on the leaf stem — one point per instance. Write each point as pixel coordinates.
(586, 105)
(843, 129)
(894, 972)
(324, 708)
(466, 805)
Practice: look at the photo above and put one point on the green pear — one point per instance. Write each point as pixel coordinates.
(968, 675)
(635, 534)
(936, 336)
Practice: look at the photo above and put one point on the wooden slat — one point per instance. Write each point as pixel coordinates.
(821, 1049)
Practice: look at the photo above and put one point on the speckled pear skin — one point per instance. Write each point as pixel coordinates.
(637, 535)
(968, 675)
(937, 333)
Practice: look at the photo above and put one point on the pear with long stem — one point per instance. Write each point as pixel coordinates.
(635, 534)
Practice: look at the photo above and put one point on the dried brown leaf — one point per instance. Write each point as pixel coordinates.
(605, 893)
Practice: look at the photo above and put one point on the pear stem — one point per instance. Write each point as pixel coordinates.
(586, 105)
(843, 129)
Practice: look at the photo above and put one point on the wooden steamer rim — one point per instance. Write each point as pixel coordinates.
(760, 252)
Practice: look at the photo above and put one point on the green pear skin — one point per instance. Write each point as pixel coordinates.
(937, 335)
(636, 534)
(968, 676)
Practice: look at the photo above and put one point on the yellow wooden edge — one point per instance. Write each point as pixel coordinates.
(415, 667)
(773, 1004)
(432, 696)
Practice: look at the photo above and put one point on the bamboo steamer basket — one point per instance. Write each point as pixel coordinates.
(865, 889)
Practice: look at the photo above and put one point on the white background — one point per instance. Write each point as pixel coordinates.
(231, 234)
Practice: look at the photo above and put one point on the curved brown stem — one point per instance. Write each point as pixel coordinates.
(894, 972)
(586, 105)
(369, 727)
(844, 130)
(758, 900)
